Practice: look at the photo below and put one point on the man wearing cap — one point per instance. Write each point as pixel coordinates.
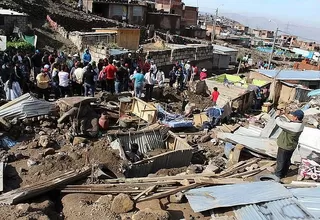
(43, 80)
(287, 141)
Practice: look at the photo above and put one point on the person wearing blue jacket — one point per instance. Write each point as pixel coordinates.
(86, 57)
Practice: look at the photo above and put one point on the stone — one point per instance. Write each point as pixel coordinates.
(46, 124)
(105, 201)
(19, 156)
(194, 168)
(176, 198)
(31, 162)
(78, 140)
(28, 130)
(44, 141)
(211, 168)
(154, 203)
(40, 156)
(23, 208)
(42, 133)
(150, 214)
(252, 167)
(49, 151)
(122, 203)
(43, 206)
(74, 155)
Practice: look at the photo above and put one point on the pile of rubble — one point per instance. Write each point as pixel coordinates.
(76, 159)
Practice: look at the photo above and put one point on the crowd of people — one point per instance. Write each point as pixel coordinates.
(55, 75)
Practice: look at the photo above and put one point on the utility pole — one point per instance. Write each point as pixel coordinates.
(214, 26)
(273, 46)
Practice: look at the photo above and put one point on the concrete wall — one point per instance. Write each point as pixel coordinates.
(14, 20)
(83, 40)
(164, 21)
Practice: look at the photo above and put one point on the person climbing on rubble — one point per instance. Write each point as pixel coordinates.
(292, 127)
(138, 79)
(134, 155)
(214, 96)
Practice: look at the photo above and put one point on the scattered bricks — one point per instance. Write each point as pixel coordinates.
(122, 203)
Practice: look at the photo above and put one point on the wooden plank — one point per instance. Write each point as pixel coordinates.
(1, 176)
(139, 108)
(235, 155)
(248, 173)
(27, 192)
(170, 192)
(253, 161)
(145, 192)
(213, 181)
(198, 119)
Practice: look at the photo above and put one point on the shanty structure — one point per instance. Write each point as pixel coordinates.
(177, 153)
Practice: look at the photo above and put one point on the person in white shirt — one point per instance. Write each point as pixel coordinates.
(76, 77)
(153, 66)
(63, 76)
(150, 79)
(160, 78)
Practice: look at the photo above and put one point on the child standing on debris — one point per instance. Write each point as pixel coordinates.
(138, 78)
(287, 141)
(215, 95)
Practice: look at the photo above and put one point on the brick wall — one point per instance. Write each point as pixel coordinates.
(12, 20)
(86, 39)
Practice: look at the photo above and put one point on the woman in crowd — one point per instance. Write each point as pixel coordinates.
(12, 88)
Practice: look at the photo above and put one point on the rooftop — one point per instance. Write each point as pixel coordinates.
(10, 12)
(292, 74)
(223, 49)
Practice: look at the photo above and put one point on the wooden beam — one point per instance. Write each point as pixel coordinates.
(145, 192)
(1, 176)
(170, 192)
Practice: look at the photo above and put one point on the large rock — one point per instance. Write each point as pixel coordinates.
(149, 214)
(44, 141)
(122, 203)
(176, 198)
(78, 140)
(49, 151)
(154, 203)
(23, 208)
(105, 201)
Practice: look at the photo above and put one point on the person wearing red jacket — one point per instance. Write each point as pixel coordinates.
(110, 72)
(215, 95)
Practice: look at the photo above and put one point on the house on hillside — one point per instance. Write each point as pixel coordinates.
(10, 19)
(134, 12)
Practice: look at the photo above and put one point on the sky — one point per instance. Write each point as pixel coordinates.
(296, 13)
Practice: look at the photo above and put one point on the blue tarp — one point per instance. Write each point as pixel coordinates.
(314, 93)
(173, 120)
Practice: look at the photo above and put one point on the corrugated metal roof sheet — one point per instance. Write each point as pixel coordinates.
(25, 106)
(10, 12)
(207, 198)
(284, 209)
(309, 198)
(292, 74)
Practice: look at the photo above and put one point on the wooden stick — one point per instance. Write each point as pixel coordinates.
(170, 192)
(146, 191)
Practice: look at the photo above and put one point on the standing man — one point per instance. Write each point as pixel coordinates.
(120, 74)
(110, 71)
(43, 80)
(287, 141)
(86, 57)
(188, 71)
(215, 95)
(36, 63)
(172, 76)
(149, 80)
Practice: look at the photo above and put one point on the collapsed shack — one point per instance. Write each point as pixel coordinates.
(164, 150)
